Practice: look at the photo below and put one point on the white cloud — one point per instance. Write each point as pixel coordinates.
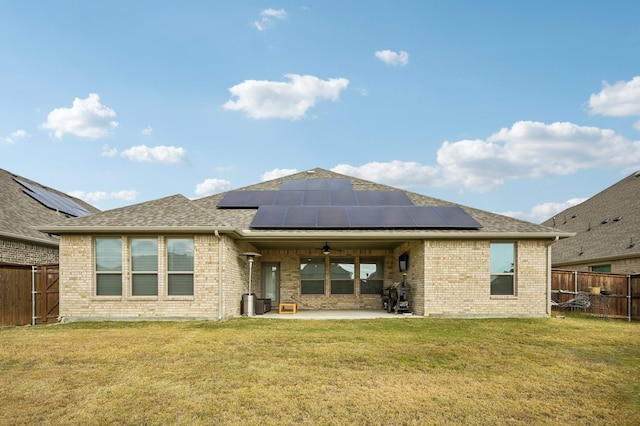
(157, 154)
(15, 136)
(87, 118)
(268, 18)
(262, 99)
(146, 131)
(277, 173)
(390, 57)
(620, 99)
(533, 149)
(395, 173)
(544, 211)
(107, 151)
(526, 150)
(97, 196)
(212, 186)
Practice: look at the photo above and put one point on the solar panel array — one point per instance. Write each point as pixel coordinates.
(52, 200)
(363, 217)
(334, 204)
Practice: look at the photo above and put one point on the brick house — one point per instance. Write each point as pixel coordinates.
(606, 228)
(22, 208)
(325, 241)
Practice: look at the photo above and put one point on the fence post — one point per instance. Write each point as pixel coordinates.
(629, 298)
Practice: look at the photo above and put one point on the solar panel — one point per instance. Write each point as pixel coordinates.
(52, 200)
(364, 217)
(289, 198)
(317, 198)
(395, 198)
(395, 217)
(269, 217)
(293, 185)
(333, 217)
(236, 199)
(456, 217)
(301, 217)
(369, 198)
(262, 198)
(343, 198)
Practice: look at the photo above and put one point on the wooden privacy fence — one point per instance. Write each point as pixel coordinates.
(19, 305)
(623, 302)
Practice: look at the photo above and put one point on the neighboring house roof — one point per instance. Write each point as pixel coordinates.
(606, 226)
(20, 213)
(179, 214)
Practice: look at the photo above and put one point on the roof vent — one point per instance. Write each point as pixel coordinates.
(631, 243)
(604, 221)
(573, 216)
(617, 219)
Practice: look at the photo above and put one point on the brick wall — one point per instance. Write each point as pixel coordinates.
(457, 280)
(23, 253)
(448, 278)
(77, 284)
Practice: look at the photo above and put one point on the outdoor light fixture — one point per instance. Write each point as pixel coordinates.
(326, 249)
(251, 256)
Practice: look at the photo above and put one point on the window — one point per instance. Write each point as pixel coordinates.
(312, 276)
(371, 275)
(108, 266)
(601, 268)
(502, 269)
(180, 266)
(342, 274)
(144, 266)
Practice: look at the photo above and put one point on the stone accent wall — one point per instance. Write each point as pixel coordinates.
(457, 280)
(23, 253)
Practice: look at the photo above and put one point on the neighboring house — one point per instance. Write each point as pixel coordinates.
(607, 231)
(25, 204)
(326, 241)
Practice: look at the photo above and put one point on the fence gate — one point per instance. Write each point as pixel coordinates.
(47, 294)
(17, 305)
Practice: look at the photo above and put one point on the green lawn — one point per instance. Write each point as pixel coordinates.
(256, 371)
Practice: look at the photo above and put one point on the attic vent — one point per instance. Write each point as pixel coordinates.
(636, 174)
(617, 219)
(573, 216)
(605, 221)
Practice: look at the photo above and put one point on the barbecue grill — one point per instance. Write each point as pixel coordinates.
(396, 297)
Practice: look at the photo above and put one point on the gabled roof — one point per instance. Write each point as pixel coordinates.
(20, 213)
(179, 214)
(606, 226)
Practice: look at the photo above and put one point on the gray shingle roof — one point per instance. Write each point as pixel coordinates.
(607, 225)
(181, 214)
(20, 214)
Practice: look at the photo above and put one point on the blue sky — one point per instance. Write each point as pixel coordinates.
(520, 108)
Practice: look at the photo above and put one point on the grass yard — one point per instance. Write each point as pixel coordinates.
(255, 371)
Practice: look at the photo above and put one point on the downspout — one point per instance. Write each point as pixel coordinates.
(220, 304)
(549, 275)
(33, 294)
